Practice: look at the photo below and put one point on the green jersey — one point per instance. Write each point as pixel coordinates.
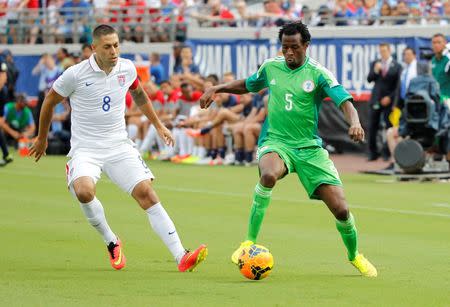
(18, 120)
(441, 72)
(295, 99)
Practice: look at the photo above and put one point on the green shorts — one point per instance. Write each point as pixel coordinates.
(312, 165)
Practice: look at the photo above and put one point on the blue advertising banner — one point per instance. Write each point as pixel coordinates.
(348, 58)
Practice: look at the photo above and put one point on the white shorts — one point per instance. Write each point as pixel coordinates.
(122, 164)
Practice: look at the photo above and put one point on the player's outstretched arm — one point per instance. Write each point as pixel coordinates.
(356, 132)
(142, 101)
(234, 87)
(40, 144)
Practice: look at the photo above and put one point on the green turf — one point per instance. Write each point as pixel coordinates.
(50, 256)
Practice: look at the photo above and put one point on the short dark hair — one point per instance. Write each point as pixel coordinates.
(294, 27)
(103, 30)
(439, 35)
(213, 77)
(165, 81)
(384, 44)
(410, 48)
(86, 46)
(65, 51)
(185, 85)
(156, 55)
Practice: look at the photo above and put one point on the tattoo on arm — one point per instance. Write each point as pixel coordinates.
(139, 96)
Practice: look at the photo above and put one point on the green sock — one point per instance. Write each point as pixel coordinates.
(349, 235)
(261, 200)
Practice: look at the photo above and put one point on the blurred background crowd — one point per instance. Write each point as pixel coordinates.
(59, 21)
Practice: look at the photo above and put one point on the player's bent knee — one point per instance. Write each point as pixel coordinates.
(342, 213)
(268, 179)
(145, 195)
(85, 195)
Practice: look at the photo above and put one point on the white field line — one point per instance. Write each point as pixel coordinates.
(243, 195)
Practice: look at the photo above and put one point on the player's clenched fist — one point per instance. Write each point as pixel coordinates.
(166, 135)
(38, 149)
(356, 133)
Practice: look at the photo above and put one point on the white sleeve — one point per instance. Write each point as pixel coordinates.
(66, 83)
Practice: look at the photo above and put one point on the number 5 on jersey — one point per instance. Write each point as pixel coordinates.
(288, 100)
(106, 106)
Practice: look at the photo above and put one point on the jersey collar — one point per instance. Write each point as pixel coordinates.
(96, 68)
(298, 68)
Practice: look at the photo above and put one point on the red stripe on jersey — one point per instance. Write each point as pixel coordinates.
(135, 84)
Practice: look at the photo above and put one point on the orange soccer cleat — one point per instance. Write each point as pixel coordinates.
(116, 255)
(190, 260)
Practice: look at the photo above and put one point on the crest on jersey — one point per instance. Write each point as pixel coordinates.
(121, 79)
(308, 86)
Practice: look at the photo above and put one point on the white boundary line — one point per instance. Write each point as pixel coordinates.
(248, 195)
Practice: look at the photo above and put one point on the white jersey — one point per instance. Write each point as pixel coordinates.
(97, 101)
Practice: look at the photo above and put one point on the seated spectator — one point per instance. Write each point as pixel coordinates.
(402, 13)
(75, 15)
(415, 15)
(64, 59)
(359, 16)
(433, 11)
(372, 11)
(86, 51)
(48, 73)
(342, 13)
(246, 132)
(385, 14)
(273, 14)
(17, 121)
(186, 64)
(157, 71)
(446, 20)
(58, 130)
(219, 15)
(245, 19)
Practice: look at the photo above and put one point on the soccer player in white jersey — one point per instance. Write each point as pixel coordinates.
(96, 88)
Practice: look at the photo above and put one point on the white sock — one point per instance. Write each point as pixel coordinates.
(201, 152)
(176, 132)
(138, 142)
(149, 140)
(96, 217)
(161, 144)
(132, 131)
(195, 151)
(190, 144)
(183, 143)
(165, 229)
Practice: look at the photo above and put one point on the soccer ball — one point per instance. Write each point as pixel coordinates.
(255, 262)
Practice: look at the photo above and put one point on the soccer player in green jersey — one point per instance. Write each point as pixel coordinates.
(297, 85)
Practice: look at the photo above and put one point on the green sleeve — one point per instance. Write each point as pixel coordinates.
(331, 88)
(258, 80)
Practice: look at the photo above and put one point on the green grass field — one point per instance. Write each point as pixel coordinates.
(50, 256)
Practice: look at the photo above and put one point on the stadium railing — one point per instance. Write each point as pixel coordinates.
(73, 25)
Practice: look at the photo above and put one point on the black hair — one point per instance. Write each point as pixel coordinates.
(214, 77)
(294, 27)
(65, 51)
(410, 48)
(86, 46)
(184, 85)
(103, 30)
